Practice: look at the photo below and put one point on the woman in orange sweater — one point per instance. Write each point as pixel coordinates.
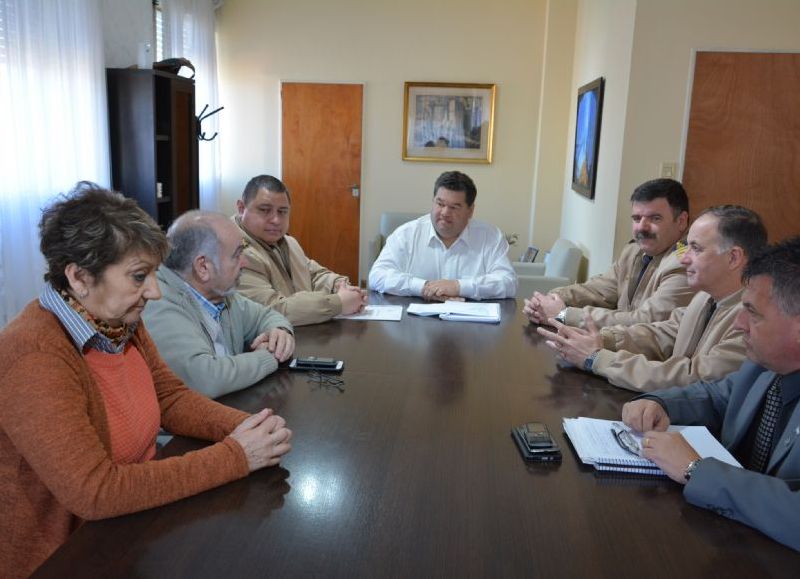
(83, 390)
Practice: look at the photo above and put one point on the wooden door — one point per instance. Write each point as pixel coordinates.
(743, 142)
(322, 169)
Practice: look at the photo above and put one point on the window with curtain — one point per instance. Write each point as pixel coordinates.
(188, 28)
(53, 118)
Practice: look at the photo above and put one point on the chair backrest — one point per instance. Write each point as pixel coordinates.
(563, 260)
(392, 220)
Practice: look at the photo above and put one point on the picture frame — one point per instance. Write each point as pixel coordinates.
(530, 254)
(448, 122)
(588, 118)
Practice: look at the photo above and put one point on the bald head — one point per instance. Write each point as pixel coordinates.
(193, 234)
(206, 251)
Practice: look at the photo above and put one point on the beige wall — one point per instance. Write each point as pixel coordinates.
(665, 37)
(554, 114)
(603, 43)
(262, 43)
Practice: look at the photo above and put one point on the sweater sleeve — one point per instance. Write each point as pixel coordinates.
(49, 424)
(191, 355)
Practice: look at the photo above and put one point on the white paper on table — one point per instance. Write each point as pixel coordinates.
(376, 314)
(459, 311)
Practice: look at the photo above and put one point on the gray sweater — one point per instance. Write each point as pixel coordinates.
(176, 323)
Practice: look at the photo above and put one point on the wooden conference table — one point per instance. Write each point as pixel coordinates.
(410, 471)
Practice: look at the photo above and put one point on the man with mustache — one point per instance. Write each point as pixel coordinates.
(446, 255)
(214, 339)
(646, 283)
(754, 411)
(698, 342)
(277, 272)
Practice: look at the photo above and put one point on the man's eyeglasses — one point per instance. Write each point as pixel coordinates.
(626, 440)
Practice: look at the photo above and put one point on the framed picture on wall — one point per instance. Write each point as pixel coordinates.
(451, 122)
(587, 137)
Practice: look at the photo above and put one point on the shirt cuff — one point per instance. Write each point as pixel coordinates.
(468, 288)
(416, 284)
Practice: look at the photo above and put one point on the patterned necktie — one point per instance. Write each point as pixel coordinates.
(770, 413)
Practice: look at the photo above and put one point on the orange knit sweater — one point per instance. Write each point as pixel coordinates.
(55, 449)
(129, 397)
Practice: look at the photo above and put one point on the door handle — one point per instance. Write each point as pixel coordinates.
(355, 190)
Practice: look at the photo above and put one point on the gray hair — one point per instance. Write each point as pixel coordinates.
(190, 236)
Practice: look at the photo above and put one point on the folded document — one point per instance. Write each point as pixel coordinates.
(459, 311)
(376, 313)
(597, 444)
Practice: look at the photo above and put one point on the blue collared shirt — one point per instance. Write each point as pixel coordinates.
(212, 309)
(82, 333)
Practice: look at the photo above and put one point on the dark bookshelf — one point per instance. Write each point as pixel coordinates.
(153, 140)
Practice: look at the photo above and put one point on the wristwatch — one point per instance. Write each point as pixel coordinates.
(589, 362)
(562, 316)
(687, 474)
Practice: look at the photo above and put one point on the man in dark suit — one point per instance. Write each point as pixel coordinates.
(754, 411)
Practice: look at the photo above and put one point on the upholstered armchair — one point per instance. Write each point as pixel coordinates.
(559, 268)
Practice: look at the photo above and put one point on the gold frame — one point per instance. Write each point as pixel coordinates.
(417, 152)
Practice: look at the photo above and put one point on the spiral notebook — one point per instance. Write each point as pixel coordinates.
(596, 445)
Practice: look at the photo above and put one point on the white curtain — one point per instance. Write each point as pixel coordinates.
(53, 123)
(189, 33)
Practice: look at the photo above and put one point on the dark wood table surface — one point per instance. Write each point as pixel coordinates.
(410, 471)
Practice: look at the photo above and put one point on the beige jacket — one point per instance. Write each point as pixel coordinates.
(304, 294)
(675, 352)
(608, 298)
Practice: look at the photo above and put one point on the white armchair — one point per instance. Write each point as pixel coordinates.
(560, 267)
(389, 222)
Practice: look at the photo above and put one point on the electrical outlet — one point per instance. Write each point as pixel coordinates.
(668, 169)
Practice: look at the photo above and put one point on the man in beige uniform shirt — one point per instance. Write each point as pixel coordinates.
(698, 342)
(646, 283)
(278, 274)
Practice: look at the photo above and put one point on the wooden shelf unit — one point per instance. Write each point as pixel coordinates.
(153, 139)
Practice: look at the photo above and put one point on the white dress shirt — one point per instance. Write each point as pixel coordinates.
(414, 254)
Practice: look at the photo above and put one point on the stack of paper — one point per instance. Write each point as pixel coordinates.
(459, 311)
(595, 443)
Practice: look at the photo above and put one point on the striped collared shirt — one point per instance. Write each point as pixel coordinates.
(82, 333)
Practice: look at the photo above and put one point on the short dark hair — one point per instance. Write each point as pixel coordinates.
(457, 181)
(94, 228)
(781, 262)
(739, 226)
(268, 182)
(190, 235)
(669, 189)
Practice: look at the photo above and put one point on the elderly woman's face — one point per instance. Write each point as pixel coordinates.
(120, 294)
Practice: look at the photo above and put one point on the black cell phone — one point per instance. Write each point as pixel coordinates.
(535, 443)
(316, 363)
(536, 435)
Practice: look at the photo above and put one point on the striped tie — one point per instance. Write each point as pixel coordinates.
(770, 413)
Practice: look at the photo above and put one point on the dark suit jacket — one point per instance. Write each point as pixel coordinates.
(769, 502)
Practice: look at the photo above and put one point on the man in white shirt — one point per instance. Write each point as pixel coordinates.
(446, 255)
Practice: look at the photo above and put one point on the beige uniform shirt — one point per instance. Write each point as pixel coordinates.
(614, 297)
(677, 351)
(283, 278)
